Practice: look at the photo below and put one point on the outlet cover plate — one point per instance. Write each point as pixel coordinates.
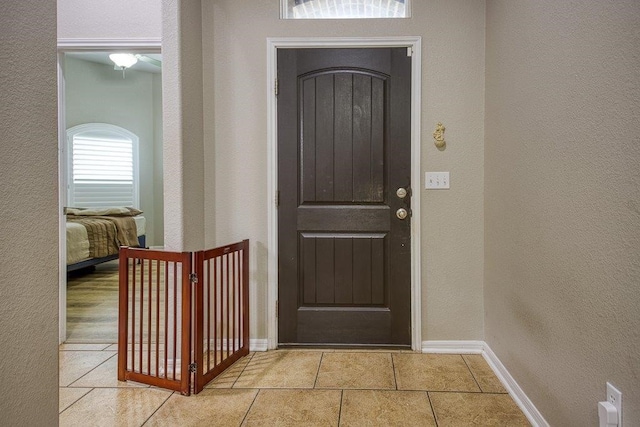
(436, 180)
(614, 396)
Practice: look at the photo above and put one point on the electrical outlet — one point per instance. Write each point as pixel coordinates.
(614, 396)
(436, 180)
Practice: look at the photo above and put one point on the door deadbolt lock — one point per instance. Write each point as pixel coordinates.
(401, 192)
(402, 213)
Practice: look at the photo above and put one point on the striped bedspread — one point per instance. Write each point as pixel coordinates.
(107, 233)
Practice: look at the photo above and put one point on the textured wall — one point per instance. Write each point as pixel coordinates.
(235, 112)
(29, 195)
(158, 167)
(113, 19)
(95, 93)
(183, 125)
(562, 202)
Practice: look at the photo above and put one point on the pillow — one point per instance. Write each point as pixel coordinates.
(115, 211)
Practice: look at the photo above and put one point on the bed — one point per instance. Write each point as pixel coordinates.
(94, 236)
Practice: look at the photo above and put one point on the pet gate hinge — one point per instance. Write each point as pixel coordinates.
(193, 367)
(193, 278)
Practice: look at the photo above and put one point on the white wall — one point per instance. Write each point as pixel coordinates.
(235, 112)
(562, 202)
(96, 93)
(112, 19)
(28, 214)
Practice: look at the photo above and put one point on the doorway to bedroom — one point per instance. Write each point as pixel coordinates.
(111, 186)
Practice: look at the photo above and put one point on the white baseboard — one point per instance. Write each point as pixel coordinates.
(456, 347)
(258, 344)
(480, 347)
(221, 344)
(524, 403)
(254, 345)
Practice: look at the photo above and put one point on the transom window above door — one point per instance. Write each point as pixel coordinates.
(344, 9)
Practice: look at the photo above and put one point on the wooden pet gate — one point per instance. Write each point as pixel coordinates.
(183, 317)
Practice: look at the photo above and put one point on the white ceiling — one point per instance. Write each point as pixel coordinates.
(103, 58)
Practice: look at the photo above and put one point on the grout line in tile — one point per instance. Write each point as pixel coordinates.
(393, 366)
(91, 370)
(279, 388)
(468, 392)
(74, 402)
(472, 374)
(250, 406)
(142, 386)
(392, 390)
(86, 349)
(242, 371)
(315, 382)
(442, 391)
(493, 393)
(158, 408)
(435, 418)
(340, 409)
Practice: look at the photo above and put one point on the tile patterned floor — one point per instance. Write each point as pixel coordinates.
(294, 388)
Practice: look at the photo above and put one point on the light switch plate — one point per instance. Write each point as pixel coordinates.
(436, 180)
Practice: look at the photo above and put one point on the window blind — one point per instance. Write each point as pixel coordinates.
(102, 172)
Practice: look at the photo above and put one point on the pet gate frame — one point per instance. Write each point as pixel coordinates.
(175, 305)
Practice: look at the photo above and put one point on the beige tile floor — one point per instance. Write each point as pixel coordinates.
(294, 388)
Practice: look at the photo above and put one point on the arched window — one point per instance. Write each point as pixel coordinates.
(103, 166)
(344, 9)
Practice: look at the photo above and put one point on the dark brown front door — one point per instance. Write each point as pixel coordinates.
(344, 149)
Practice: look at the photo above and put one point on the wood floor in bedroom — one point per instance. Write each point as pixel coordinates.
(92, 305)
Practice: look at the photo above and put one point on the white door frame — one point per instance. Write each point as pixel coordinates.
(66, 46)
(414, 45)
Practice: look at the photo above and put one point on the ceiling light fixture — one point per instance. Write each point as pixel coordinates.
(123, 61)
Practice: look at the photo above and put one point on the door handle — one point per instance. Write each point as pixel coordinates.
(402, 213)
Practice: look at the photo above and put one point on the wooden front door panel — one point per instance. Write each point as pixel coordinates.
(343, 150)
